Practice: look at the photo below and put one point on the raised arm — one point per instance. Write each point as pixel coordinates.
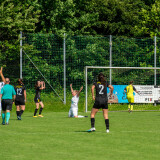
(71, 88)
(41, 85)
(79, 91)
(44, 85)
(92, 90)
(1, 73)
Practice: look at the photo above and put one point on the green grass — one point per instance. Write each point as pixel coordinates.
(53, 103)
(55, 136)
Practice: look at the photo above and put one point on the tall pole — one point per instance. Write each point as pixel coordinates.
(64, 65)
(155, 60)
(86, 106)
(110, 64)
(21, 54)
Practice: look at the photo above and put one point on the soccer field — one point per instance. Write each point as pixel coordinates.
(134, 136)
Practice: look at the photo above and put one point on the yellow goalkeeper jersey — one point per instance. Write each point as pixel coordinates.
(130, 88)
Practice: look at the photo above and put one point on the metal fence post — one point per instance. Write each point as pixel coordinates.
(155, 60)
(64, 65)
(110, 64)
(86, 106)
(21, 54)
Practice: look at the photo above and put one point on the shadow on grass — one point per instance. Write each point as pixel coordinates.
(85, 131)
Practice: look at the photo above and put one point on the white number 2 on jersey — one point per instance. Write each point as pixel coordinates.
(101, 89)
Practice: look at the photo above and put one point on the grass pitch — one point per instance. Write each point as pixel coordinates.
(134, 136)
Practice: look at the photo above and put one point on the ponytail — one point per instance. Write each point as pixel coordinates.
(101, 78)
(20, 81)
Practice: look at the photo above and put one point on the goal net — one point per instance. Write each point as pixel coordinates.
(146, 81)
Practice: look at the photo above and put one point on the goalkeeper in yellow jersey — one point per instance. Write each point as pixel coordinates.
(129, 91)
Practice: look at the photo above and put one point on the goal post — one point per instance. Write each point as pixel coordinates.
(142, 76)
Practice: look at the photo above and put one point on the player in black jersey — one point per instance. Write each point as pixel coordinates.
(101, 101)
(40, 85)
(20, 98)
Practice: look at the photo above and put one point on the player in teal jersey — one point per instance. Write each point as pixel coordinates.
(7, 92)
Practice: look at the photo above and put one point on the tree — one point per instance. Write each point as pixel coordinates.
(149, 24)
(15, 16)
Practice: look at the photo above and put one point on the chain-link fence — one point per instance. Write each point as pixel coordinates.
(43, 58)
(60, 61)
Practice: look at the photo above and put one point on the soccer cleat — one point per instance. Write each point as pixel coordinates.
(40, 115)
(107, 130)
(19, 117)
(91, 130)
(86, 116)
(7, 123)
(34, 116)
(3, 123)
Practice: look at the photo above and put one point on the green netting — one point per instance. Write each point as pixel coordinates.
(131, 52)
(46, 53)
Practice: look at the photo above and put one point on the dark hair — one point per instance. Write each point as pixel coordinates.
(131, 82)
(20, 81)
(101, 78)
(36, 85)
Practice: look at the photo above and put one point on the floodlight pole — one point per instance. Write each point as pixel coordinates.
(86, 106)
(110, 64)
(64, 65)
(155, 60)
(21, 54)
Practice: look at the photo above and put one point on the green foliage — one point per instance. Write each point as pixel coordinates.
(149, 23)
(15, 16)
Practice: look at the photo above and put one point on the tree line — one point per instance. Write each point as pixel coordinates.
(127, 18)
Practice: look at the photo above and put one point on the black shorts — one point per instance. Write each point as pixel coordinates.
(7, 104)
(37, 100)
(101, 103)
(19, 102)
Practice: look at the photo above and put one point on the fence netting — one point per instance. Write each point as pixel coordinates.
(43, 59)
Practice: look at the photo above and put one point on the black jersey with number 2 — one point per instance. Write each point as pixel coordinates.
(19, 92)
(101, 100)
(101, 90)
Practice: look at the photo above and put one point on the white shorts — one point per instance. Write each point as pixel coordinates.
(73, 112)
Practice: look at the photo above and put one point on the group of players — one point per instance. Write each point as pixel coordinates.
(18, 93)
(100, 100)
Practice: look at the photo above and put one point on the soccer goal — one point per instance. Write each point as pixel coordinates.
(146, 81)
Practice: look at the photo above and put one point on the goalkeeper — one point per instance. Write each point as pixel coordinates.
(129, 91)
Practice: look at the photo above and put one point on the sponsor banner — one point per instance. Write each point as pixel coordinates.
(147, 94)
(157, 94)
(119, 95)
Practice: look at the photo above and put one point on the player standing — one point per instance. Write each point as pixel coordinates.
(20, 98)
(73, 112)
(6, 93)
(40, 85)
(101, 100)
(1, 86)
(129, 91)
